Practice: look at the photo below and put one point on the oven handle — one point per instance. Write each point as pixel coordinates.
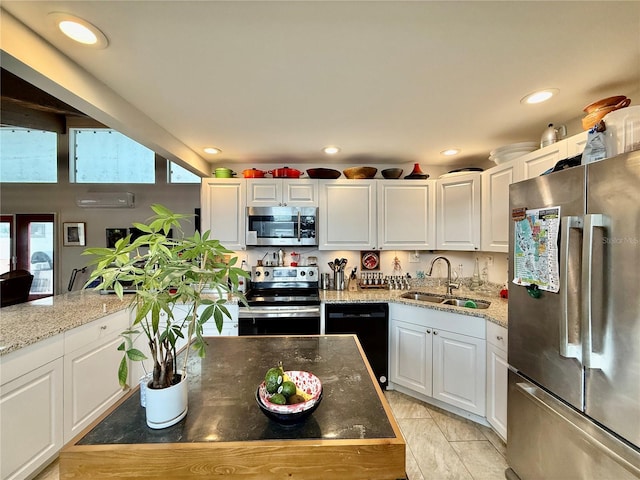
(253, 312)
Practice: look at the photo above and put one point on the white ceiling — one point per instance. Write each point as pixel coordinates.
(387, 81)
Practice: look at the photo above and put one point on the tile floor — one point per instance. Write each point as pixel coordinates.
(440, 445)
(444, 446)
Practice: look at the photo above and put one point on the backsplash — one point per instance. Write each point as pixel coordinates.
(396, 262)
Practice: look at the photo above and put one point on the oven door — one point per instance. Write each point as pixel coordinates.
(276, 320)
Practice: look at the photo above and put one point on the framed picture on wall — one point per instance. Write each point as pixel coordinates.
(115, 234)
(74, 234)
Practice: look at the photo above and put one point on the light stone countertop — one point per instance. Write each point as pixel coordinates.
(27, 323)
(496, 313)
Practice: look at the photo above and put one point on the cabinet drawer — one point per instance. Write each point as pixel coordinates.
(497, 335)
(100, 329)
(16, 364)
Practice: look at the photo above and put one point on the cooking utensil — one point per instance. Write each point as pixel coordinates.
(552, 134)
(323, 173)
(603, 103)
(417, 173)
(253, 173)
(594, 117)
(222, 172)
(286, 172)
(391, 173)
(360, 172)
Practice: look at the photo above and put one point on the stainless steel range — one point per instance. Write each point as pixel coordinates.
(282, 301)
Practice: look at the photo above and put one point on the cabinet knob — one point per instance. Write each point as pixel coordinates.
(499, 337)
(435, 332)
(103, 327)
(428, 331)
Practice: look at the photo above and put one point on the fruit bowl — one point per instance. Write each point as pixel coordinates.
(305, 381)
(288, 417)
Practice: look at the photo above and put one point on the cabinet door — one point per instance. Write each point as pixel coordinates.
(411, 352)
(497, 372)
(458, 217)
(31, 431)
(347, 215)
(223, 205)
(496, 217)
(264, 192)
(91, 374)
(538, 162)
(300, 192)
(406, 214)
(459, 370)
(576, 144)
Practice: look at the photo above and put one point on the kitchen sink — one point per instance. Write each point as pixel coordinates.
(463, 302)
(442, 300)
(423, 297)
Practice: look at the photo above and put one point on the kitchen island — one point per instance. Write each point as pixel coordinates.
(352, 434)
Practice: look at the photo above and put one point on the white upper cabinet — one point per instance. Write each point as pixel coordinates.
(495, 205)
(347, 215)
(539, 161)
(406, 214)
(576, 144)
(458, 212)
(223, 203)
(278, 192)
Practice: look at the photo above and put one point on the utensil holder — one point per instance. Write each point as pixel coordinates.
(338, 280)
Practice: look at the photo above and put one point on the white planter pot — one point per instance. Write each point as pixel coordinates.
(167, 406)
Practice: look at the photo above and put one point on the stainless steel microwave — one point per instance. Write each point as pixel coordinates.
(294, 226)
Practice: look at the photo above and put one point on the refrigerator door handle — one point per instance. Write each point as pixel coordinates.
(590, 359)
(567, 350)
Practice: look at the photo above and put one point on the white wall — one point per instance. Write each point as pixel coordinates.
(60, 199)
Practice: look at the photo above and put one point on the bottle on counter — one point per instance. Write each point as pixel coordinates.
(475, 279)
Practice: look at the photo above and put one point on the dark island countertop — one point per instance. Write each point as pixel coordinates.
(352, 430)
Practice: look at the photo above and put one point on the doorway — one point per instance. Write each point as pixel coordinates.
(27, 242)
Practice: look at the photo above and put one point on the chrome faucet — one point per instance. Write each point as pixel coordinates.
(450, 285)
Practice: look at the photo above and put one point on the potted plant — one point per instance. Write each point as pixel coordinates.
(165, 272)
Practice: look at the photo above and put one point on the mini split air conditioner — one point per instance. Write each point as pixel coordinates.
(106, 200)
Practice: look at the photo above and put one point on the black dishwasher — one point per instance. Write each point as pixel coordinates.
(370, 322)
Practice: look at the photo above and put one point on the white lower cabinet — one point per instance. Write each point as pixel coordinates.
(91, 370)
(31, 408)
(497, 372)
(439, 355)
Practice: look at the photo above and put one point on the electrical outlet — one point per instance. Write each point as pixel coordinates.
(414, 257)
(489, 260)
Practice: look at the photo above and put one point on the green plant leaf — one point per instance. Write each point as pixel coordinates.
(123, 372)
(136, 355)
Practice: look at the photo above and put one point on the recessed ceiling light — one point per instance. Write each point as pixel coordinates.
(331, 150)
(79, 30)
(213, 150)
(450, 151)
(540, 96)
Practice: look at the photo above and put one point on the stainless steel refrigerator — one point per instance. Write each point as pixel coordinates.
(574, 350)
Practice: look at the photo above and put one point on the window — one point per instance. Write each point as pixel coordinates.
(178, 174)
(28, 156)
(107, 156)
